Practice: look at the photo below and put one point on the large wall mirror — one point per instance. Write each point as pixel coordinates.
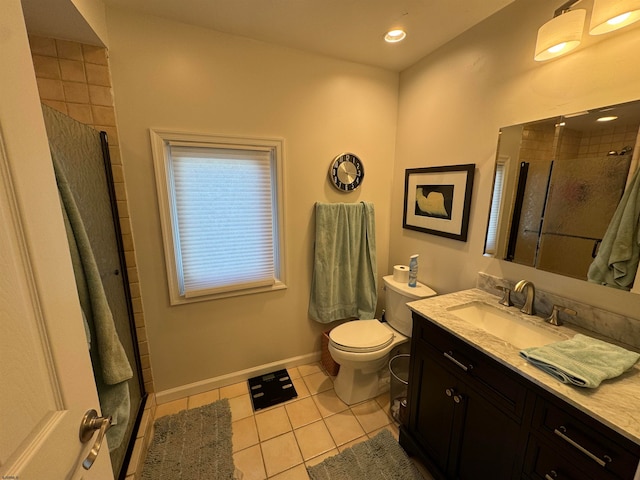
(559, 196)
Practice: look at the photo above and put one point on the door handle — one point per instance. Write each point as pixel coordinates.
(89, 424)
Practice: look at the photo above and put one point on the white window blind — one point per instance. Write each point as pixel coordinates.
(223, 218)
(496, 206)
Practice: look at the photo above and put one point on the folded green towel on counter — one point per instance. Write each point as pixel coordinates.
(582, 360)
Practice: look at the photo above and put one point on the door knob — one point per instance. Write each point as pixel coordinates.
(90, 423)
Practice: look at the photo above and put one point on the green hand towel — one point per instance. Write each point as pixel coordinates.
(344, 283)
(582, 360)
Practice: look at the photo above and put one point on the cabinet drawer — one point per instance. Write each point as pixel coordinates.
(495, 381)
(598, 448)
(544, 462)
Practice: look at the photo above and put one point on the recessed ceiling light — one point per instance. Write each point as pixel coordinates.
(394, 36)
(606, 119)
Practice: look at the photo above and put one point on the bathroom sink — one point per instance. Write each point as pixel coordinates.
(504, 325)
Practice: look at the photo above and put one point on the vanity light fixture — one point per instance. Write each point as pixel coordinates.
(561, 34)
(610, 15)
(395, 36)
(607, 119)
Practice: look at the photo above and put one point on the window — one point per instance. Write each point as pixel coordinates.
(221, 210)
(493, 228)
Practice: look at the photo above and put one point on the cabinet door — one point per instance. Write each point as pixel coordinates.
(490, 441)
(434, 415)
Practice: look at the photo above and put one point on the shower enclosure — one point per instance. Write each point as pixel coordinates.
(82, 159)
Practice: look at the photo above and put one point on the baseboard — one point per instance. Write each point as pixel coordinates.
(184, 391)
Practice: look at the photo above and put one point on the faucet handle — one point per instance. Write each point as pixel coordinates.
(553, 319)
(506, 296)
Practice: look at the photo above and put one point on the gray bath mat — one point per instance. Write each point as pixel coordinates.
(380, 458)
(192, 445)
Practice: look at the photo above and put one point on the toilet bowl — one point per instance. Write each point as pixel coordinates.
(361, 347)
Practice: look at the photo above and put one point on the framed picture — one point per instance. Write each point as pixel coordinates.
(437, 200)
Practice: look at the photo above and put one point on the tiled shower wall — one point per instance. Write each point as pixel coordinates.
(74, 79)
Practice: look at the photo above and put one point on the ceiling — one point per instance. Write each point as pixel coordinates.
(347, 29)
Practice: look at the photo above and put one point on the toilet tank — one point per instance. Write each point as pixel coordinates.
(397, 295)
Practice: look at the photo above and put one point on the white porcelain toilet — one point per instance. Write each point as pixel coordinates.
(361, 347)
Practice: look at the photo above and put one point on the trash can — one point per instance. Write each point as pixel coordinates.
(399, 371)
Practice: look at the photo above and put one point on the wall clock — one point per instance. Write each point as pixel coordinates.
(346, 172)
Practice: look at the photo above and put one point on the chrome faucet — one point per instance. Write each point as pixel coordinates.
(531, 295)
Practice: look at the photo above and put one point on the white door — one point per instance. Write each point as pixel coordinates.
(46, 380)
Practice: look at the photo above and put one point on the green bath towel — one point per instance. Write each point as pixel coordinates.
(109, 360)
(344, 283)
(582, 360)
(616, 263)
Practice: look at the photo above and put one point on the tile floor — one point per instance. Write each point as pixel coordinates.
(277, 443)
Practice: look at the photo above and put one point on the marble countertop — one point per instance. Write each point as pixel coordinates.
(615, 403)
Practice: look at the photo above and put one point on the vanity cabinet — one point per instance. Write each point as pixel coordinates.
(471, 417)
(468, 409)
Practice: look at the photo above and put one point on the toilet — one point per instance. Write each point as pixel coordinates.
(362, 347)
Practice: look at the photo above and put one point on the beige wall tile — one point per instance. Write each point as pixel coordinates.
(145, 362)
(132, 273)
(135, 292)
(112, 134)
(42, 45)
(114, 154)
(81, 113)
(143, 348)
(100, 95)
(93, 54)
(69, 50)
(50, 89)
(118, 175)
(76, 92)
(72, 70)
(98, 75)
(46, 67)
(104, 115)
(58, 105)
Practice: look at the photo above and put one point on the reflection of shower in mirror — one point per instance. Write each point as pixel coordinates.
(560, 182)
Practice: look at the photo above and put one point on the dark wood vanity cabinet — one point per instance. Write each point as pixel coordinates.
(471, 417)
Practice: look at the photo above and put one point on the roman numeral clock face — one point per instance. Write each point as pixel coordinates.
(346, 172)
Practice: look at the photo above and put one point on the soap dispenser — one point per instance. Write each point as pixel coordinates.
(413, 270)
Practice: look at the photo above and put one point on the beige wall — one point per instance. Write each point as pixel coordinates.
(173, 76)
(451, 105)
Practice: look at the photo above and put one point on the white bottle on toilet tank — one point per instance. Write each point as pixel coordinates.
(413, 271)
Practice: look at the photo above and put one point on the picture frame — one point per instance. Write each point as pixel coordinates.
(437, 200)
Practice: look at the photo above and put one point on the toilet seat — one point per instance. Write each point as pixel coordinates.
(361, 336)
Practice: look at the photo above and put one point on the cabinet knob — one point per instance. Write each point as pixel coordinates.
(552, 475)
(449, 392)
(458, 398)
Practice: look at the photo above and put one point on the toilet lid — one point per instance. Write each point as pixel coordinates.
(361, 336)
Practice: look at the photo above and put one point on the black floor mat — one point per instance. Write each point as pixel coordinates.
(270, 389)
